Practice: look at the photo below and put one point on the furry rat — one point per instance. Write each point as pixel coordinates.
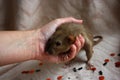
(65, 36)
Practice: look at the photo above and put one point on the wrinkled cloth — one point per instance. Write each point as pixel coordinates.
(101, 16)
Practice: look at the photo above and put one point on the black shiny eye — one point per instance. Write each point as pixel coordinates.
(58, 43)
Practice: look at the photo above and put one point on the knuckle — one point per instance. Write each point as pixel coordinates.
(57, 20)
(71, 18)
(73, 57)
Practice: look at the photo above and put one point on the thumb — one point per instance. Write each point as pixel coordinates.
(50, 28)
(61, 58)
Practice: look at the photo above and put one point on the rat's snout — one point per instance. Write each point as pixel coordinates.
(51, 51)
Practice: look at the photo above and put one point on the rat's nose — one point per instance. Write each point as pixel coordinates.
(51, 51)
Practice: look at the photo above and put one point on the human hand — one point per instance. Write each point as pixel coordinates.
(45, 33)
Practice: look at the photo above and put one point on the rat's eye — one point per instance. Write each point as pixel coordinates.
(58, 43)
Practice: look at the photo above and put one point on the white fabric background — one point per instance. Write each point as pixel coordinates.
(102, 16)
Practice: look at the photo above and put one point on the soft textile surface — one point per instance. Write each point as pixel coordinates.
(102, 16)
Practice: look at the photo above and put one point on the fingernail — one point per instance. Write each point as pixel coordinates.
(81, 21)
(80, 35)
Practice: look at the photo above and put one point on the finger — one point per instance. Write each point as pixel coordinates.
(81, 39)
(63, 58)
(57, 59)
(51, 26)
(78, 44)
(70, 55)
(73, 51)
(50, 58)
(68, 20)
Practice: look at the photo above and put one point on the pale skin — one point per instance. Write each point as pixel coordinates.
(19, 46)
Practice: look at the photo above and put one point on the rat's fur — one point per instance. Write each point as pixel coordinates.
(65, 36)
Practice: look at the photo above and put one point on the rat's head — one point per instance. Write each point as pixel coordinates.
(59, 43)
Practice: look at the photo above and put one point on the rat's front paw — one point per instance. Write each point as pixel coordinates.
(89, 66)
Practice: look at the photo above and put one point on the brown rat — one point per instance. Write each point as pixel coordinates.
(65, 36)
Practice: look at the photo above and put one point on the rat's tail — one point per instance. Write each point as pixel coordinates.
(97, 39)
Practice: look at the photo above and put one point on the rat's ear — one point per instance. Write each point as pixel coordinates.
(71, 39)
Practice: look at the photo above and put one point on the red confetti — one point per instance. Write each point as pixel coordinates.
(48, 79)
(93, 69)
(117, 64)
(40, 63)
(112, 54)
(32, 71)
(59, 77)
(101, 78)
(25, 72)
(106, 60)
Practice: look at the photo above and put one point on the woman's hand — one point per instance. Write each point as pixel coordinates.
(19, 46)
(44, 34)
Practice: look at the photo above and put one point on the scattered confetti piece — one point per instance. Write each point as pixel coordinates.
(100, 73)
(38, 70)
(112, 54)
(104, 64)
(119, 54)
(106, 60)
(59, 77)
(117, 64)
(80, 68)
(101, 77)
(48, 79)
(93, 69)
(68, 77)
(77, 77)
(25, 72)
(40, 64)
(32, 71)
(74, 69)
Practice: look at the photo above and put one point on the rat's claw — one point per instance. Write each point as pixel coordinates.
(65, 58)
(89, 66)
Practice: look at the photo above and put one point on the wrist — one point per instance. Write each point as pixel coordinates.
(38, 43)
(33, 44)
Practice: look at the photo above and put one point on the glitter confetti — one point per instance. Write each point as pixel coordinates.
(38, 70)
(74, 69)
(77, 77)
(25, 72)
(40, 64)
(117, 64)
(119, 54)
(68, 77)
(93, 69)
(59, 77)
(80, 68)
(112, 54)
(106, 60)
(48, 79)
(100, 73)
(32, 71)
(101, 78)
(104, 64)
